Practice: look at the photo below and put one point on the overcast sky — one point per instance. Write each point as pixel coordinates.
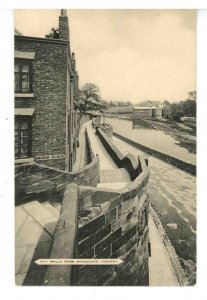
(130, 55)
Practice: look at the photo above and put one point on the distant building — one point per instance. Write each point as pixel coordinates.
(46, 87)
(167, 111)
(157, 112)
(144, 112)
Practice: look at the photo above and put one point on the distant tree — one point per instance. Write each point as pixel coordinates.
(149, 103)
(189, 108)
(176, 111)
(89, 99)
(166, 102)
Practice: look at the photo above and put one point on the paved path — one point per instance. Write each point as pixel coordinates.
(110, 175)
(80, 153)
(161, 272)
(106, 162)
(30, 220)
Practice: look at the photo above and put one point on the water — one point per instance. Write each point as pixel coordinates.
(155, 139)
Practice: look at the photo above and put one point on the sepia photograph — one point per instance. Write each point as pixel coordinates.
(105, 147)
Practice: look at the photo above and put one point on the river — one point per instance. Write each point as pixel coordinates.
(152, 138)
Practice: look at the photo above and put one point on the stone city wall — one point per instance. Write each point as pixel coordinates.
(109, 224)
(185, 166)
(114, 225)
(39, 182)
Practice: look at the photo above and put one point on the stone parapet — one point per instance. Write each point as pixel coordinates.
(185, 166)
(39, 182)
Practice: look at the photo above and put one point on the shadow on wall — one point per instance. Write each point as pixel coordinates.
(42, 183)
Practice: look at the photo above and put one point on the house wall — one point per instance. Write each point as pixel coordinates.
(142, 113)
(55, 88)
(49, 99)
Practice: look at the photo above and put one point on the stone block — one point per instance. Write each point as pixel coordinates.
(111, 215)
(115, 201)
(126, 196)
(91, 227)
(94, 239)
(107, 241)
(124, 238)
(126, 247)
(40, 187)
(94, 275)
(106, 253)
(89, 253)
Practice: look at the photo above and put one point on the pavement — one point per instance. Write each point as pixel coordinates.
(110, 175)
(161, 272)
(80, 153)
(30, 221)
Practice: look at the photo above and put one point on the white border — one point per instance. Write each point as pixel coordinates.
(8, 289)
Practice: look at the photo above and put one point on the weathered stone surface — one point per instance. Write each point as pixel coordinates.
(111, 215)
(40, 187)
(94, 239)
(108, 240)
(90, 228)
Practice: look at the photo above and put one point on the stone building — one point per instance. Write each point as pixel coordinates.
(140, 112)
(46, 88)
(145, 112)
(157, 111)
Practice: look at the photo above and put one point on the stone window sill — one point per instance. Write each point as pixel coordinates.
(21, 95)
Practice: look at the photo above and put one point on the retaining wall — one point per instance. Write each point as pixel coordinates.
(109, 224)
(39, 182)
(103, 223)
(129, 162)
(107, 129)
(114, 225)
(185, 166)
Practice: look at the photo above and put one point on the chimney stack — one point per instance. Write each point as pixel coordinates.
(63, 25)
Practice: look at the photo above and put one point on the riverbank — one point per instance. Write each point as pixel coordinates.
(183, 134)
(182, 165)
(172, 194)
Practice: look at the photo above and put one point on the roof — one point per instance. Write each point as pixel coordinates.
(146, 107)
(142, 107)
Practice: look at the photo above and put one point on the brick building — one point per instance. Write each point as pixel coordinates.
(145, 112)
(46, 88)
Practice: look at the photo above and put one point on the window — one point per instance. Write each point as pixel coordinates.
(23, 76)
(22, 136)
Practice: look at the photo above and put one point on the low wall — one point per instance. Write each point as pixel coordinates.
(64, 240)
(39, 182)
(108, 224)
(185, 166)
(115, 225)
(122, 161)
(107, 129)
(96, 121)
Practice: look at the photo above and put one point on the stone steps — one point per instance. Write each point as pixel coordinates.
(31, 221)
